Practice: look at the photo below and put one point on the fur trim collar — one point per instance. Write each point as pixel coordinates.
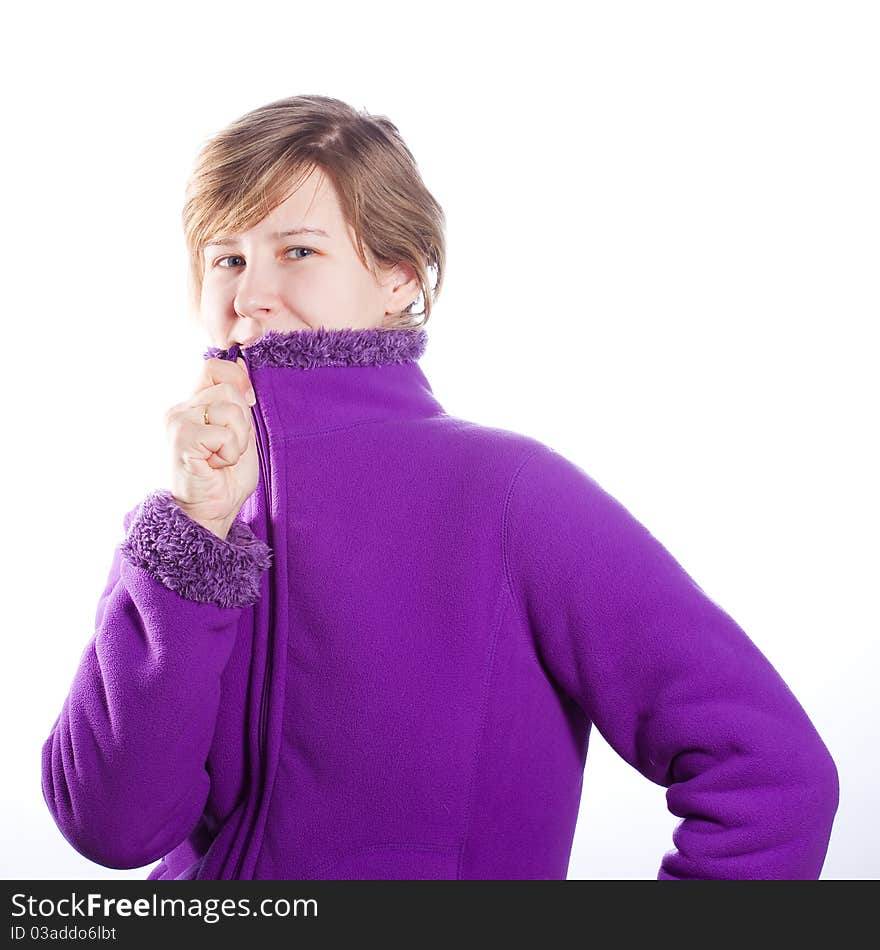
(330, 347)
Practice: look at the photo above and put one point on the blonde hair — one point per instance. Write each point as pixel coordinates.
(251, 166)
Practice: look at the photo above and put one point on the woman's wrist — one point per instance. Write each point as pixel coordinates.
(220, 527)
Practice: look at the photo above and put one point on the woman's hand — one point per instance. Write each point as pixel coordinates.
(214, 467)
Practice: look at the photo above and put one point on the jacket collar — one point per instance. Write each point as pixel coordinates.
(307, 349)
(310, 381)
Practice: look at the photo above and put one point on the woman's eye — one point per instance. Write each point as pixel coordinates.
(236, 257)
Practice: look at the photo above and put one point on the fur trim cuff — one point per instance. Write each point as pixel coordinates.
(191, 560)
(334, 347)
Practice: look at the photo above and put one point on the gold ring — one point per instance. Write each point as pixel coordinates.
(205, 416)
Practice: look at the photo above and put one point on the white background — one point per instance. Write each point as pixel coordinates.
(662, 261)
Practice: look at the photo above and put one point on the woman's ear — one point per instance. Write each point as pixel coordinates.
(402, 285)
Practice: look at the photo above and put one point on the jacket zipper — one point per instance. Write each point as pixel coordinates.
(266, 471)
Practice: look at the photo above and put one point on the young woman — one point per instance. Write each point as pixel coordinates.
(358, 637)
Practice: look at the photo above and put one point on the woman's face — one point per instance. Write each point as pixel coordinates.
(263, 280)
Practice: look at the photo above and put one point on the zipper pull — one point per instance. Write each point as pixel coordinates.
(233, 354)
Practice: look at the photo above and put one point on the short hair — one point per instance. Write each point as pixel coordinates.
(248, 168)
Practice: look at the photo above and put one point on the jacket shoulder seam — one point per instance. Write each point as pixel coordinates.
(505, 526)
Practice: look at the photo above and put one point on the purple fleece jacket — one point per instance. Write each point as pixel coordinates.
(391, 666)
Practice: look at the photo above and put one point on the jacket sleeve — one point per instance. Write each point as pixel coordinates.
(671, 682)
(123, 768)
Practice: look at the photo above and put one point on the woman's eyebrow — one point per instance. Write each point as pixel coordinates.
(231, 238)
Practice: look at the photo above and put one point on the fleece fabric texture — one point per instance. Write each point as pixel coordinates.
(392, 665)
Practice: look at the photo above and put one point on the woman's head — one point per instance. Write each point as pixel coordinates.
(310, 162)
